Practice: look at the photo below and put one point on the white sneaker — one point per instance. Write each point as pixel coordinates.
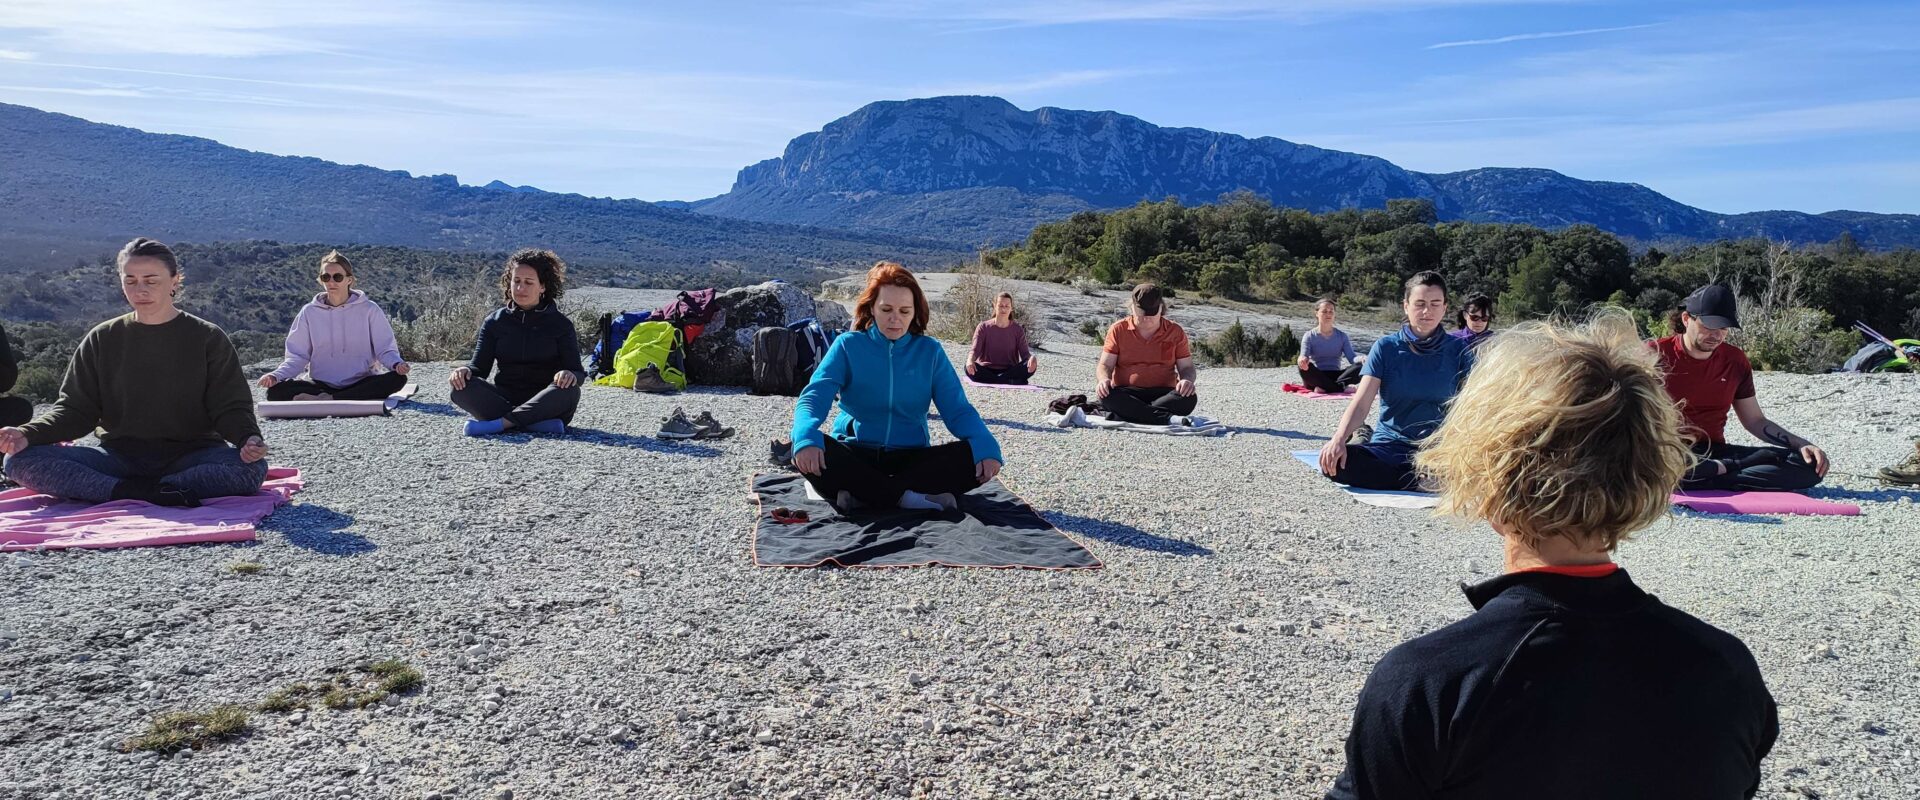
(1076, 417)
(1179, 421)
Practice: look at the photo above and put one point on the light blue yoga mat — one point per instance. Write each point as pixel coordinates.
(1373, 497)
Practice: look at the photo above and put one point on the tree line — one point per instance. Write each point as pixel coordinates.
(1244, 247)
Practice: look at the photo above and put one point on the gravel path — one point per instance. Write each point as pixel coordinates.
(589, 625)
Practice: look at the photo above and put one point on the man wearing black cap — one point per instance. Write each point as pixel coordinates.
(1707, 377)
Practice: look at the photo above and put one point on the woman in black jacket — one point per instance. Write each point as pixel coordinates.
(535, 347)
(13, 410)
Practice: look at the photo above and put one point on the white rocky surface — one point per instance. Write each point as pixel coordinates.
(590, 625)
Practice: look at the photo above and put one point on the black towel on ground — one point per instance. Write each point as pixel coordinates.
(991, 528)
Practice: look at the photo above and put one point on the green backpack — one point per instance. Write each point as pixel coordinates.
(650, 344)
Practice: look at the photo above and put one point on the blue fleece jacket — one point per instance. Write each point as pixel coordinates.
(884, 388)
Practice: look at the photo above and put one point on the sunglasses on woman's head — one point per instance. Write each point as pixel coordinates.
(332, 277)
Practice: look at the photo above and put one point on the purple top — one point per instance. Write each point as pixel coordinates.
(339, 345)
(1472, 339)
(998, 347)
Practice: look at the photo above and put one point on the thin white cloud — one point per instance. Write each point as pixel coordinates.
(1041, 83)
(245, 28)
(1528, 37)
(79, 91)
(1027, 13)
(16, 55)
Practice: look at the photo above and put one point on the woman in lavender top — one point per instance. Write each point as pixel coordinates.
(1322, 351)
(340, 343)
(1475, 322)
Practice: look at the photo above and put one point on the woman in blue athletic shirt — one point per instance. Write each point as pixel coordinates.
(1414, 372)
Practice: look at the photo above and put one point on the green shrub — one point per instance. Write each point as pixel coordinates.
(1239, 347)
(1794, 339)
(970, 302)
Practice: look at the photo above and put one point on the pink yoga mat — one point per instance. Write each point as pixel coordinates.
(1725, 502)
(32, 521)
(1025, 387)
(1313, 394)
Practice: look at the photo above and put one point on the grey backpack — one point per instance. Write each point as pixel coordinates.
(776, 356)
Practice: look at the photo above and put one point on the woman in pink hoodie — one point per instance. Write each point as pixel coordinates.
(339, 341)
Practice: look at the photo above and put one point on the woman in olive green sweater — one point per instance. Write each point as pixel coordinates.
(165, 391)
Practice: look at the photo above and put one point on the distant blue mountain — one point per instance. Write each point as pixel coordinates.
(979, 170)
(71, 189)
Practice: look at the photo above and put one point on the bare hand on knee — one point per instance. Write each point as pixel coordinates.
(12, 441)
(253, 449)
(810, 461)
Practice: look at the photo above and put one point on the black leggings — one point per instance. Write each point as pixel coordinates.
(484, 401)
(1329, 381)
(372, 387)
(1015, 375)
(876, 477)
(1148, 405)
(15, 411)
(1786, 472)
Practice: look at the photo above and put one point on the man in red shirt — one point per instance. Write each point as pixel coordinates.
(1706, 377)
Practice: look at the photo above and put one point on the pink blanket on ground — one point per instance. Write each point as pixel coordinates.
(1724, 502)
(1313, 394)
(33, 521)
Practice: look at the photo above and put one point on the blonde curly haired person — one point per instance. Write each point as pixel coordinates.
(1562, 440)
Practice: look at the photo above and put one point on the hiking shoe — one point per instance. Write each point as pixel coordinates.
(1906, 472)
(648, 380)
(677, 426)
(710, 428)
(1362, 435)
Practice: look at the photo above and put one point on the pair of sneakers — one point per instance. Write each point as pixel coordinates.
(678, 426)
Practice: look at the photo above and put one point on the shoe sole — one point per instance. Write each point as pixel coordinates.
(667, 435)
(721, 434)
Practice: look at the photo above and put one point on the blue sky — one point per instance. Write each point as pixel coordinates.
(1728, 106)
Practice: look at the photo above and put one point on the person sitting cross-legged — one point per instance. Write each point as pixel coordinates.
(1415, 372)
(1322, 350)
(885, 373)
(340, 342)
(1564, 442)
(164, 391)
(1145, 374)
(538, 387)
(1000, 352)
(1707, 377)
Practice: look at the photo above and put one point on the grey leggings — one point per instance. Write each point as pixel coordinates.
(484, 401)
(79, 472)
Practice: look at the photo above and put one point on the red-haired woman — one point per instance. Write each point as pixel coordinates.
(885, 374)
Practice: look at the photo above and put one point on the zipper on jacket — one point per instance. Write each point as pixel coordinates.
(888, 442)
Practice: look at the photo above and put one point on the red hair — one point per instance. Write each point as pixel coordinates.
(890, 273)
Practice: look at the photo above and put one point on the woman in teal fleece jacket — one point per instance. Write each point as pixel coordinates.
(885, 373)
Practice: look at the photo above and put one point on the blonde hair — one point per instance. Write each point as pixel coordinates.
(334, 257)
(1560, 431)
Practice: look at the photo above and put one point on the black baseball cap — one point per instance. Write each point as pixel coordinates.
(1714, 306)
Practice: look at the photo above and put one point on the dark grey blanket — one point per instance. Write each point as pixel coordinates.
(992, 528)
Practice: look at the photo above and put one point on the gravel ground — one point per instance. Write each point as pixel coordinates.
(589, 625)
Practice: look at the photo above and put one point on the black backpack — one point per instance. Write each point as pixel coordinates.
(776, 360)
